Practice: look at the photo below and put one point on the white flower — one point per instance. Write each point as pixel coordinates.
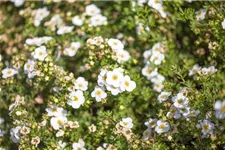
(223, 24)
(60, 133)
(180, 101)
(151, 123)
(38, 41)
(174, 112)
(149, 72)
(158, 87)
(157, 58)
(189, 1)
(219, 107)
(2, 120)
(8, 72)
(56, 111)
(81, 84)
(18, 3)
(200, 15)
(140, 28)
(64, 29)
(207, 127)
(97, 20)
(72, 50)
(194, 70)
(40, 14)
(122, 56)
(162, 126)
(114, 78)
(156, 4)
(208, 71)
(162, 12)
(2, 133)
(127, 84)
(92, 10)
(102, 78)
(158, 47)
(29, 68)
(35, 141)
(115, 44)
(79, 145)
(76, 99)
(147, 134)
(62, 144)
(40, 53)
(163, 96)
(15, 134)
(77, 20)
(147, 55)
(56, 21)
(99, 94)
(126, 123)
(114, 90)
(58, 122)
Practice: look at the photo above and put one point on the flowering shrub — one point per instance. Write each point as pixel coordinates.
(144, 74)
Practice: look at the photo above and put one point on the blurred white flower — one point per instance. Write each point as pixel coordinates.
(40, 53)
(162, 127)
(76, 99)
(92, 10)
(8, 72)
(126, 123)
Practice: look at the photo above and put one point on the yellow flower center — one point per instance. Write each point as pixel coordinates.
(54, 110)
(127, 83)
(146, 133)
(162, 126)
(180, 101)
(98, 92)
(222, 109)
(114, 77)
(59, 122)
(206, 127)
(75, 98)
(9, 72)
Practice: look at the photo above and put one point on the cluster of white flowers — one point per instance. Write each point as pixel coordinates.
(180, 106)
(158, 5)
(200, 14)
(58, 115)
(158, 126)
(72, 50)
(155, 56)
(76, 96)
(219, 107)
(96, 19)
(39, 15)
(118, 47)
(114, 81)
(196, 69)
